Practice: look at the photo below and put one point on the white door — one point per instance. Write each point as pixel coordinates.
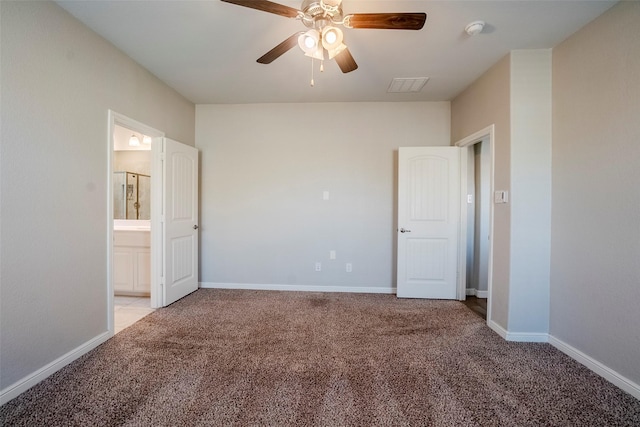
(428, 221)
(180, 225)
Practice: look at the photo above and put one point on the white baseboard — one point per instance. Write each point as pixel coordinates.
(480, 294)
(497, 329)
(518, 336)
(303, 288)
(29, 381)
(604, 371)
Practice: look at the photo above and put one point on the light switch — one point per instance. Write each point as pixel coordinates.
(501, 197)
(325, 195)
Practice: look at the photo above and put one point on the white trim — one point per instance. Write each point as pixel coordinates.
(518, 336)
(597, 367)
(604, 371)
(474, 138)
(302, 288)
(157, 222)
(463, 226)
(497, 328)
(527, 336)
(29, 381)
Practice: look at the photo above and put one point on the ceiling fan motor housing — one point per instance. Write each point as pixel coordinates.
(320, 13)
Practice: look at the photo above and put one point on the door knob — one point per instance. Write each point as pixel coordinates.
(404, 230)
(195, 227)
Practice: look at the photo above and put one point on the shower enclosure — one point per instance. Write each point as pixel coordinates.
(131, 194)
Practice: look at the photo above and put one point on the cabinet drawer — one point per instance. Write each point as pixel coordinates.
(140, 238)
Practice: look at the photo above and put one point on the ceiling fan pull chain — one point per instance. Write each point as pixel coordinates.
(322, 65)
(312, 82)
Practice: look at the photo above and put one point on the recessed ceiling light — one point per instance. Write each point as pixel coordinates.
(407, 85)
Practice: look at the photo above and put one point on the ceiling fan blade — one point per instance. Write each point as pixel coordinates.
(277, 51)
(345, 61)
(266, 6)
(387, 21)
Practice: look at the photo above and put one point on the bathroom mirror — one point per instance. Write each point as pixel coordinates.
(131, 195)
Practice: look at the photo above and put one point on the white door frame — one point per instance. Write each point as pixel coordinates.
(466, 144)
(156, 189)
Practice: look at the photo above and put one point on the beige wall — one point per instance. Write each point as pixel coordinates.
(264, 171)
(487, 102)
(530, 196)
(595, 245)
(132, 161)
(58, 81)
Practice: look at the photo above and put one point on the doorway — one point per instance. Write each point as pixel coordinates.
(476, 237)
(477, 250)
(132, 287)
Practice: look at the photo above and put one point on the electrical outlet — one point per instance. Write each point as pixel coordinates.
(318, 266)
(349, 267)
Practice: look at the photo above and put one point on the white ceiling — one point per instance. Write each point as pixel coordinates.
(207, 50)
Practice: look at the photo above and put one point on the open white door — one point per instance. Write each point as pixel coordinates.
(180, 221)
(428, 221)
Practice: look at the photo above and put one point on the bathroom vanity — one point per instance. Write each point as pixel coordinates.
(132, 258)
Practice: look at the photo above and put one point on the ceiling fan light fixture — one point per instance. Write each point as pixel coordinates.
(309, 42)
(331, 37)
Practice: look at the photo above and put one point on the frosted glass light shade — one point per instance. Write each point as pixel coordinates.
(309, 42)
(331, 37)
(134, 141)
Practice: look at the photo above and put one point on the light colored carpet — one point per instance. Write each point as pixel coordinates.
(229, 357)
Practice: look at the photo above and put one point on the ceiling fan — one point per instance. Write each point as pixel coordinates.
(322, 18)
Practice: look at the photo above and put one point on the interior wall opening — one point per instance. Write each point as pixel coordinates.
(478, 225)
(131, 282)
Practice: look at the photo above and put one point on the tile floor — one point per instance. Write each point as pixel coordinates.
(128, 310)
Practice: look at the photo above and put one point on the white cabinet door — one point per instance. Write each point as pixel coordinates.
(122, 269)
(142, 282)
(131, 262)
(180, 226)
(428, 222)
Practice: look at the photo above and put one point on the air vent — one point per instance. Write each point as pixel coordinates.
(407, 85)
